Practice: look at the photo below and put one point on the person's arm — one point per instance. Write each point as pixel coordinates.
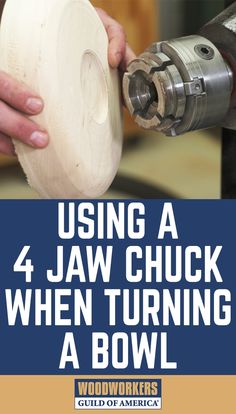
(17, 101)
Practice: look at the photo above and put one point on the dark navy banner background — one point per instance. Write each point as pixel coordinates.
(37, 350)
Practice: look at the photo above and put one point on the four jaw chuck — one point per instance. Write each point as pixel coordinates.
(184, 84)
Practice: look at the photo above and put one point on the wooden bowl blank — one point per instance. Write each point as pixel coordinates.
(59, 48)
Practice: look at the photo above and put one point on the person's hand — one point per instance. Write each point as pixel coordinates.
(119, 53)
(17, 102)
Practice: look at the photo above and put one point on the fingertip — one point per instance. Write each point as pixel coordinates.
(118, 57)
(115, 59)
(117, 43)
(34, 105)
(39, 139)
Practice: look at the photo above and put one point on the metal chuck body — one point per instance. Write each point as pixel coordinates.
(222, 32)
(179, 85)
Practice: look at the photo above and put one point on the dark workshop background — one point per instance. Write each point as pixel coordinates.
(152, 164)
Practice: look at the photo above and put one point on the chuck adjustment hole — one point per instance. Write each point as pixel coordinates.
(204, 51)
